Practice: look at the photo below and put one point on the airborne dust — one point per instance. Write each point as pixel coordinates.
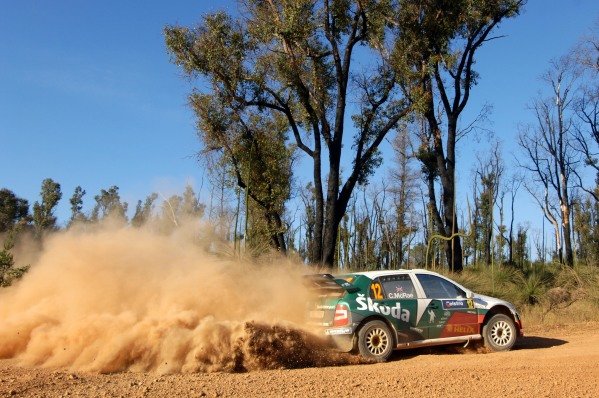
(120, 298)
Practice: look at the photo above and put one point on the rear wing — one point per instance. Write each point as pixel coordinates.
(327, 283)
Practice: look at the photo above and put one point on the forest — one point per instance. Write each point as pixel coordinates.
(284, 87)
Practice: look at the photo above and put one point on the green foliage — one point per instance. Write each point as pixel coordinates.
(8, 272)
(177, 208)
(586, 226)
(76, 202)
(143, 212)
(109, 205)
(14, 211)
(43, 213)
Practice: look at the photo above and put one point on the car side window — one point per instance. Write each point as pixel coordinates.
(439, 288)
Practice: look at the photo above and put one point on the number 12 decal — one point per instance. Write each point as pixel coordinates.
(377, 291)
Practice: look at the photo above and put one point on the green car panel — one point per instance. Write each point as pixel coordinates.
(421, 308)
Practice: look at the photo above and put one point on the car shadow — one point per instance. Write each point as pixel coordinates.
(523, 343)
(536, 342)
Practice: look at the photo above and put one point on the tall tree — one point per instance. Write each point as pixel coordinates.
(254, 149)
(404, 180)
(586, 57)
(435, 54)
(13, 210)
(43, 213)
(296, 58)
(109, 205)
(488, 174)
(551, 156)
(76, 202)
(143, 211)
(507, 235)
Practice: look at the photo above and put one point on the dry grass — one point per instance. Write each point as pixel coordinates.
(544, 294)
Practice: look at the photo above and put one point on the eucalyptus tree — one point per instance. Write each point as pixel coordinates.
(435, 56)
(43, 212)
(76, 202)
(296, 61)
(551, 157)
(14, 211)
(109, 204)
(255, 151)
(488, 175)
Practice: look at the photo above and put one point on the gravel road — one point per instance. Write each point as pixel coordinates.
(548, 362)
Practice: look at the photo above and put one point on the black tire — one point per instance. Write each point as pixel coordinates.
(499, 333)
(375, 341)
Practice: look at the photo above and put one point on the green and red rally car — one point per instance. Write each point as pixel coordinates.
(378, 311)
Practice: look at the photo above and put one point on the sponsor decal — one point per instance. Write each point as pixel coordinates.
(336, 331)
(455, 304)
(400, 295)
(325, 307)
(431, 316)
(316, 314)
(461, 329)
(366, 303)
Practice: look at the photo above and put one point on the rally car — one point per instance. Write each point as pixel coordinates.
(376, 312)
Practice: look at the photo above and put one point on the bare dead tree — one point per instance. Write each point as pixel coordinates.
(550, 152)
(405, 180)
(511, 187)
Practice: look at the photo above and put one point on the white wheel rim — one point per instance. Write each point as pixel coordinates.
(501, 333)
(377, 341)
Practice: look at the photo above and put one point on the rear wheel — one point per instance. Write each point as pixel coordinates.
(499, 333)
(375, 341)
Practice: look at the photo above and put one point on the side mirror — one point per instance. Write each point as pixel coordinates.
(469, 294)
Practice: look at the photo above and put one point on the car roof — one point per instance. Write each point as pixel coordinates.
(376, 274)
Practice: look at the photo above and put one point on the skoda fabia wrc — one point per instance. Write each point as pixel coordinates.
(376, 312)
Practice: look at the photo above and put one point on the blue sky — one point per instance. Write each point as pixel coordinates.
(88, 96)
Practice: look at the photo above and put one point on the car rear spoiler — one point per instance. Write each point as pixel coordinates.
(327, 283)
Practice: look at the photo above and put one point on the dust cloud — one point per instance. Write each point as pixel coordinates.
(120, 298)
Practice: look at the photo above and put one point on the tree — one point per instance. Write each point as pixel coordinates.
(295, 59)
(254, 150)
(404, 180)
(8, 271)
(178, 208)
(520, 248)
(43, 213)
(13, 210)
(435, 55)
(512, 187)
(586, 57)
(488, 172)
(550, 152)
(586, 227)
(109, 205)
(76, 202)
(143, 212)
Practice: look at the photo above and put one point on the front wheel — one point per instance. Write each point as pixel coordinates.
(499, 333)
(375, 341)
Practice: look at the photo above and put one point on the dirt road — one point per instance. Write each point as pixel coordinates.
(559, 362)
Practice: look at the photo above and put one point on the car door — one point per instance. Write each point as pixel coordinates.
(397, 300)
(445, 310)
